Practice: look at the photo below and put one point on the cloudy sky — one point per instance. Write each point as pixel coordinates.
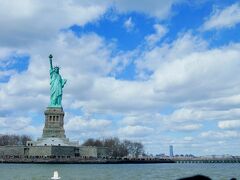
(160, 72)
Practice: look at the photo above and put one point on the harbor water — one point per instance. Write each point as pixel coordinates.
(217, 171)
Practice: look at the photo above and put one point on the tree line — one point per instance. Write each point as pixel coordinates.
(118, 148)
(14, 139)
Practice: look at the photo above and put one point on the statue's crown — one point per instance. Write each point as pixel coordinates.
(56, 67)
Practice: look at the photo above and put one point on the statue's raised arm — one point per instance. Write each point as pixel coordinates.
(50, 59)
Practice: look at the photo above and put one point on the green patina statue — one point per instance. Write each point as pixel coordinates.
(56, 83)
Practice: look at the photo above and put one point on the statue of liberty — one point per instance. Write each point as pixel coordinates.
(56, 83)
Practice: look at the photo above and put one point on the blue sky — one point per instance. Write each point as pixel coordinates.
(159, 72)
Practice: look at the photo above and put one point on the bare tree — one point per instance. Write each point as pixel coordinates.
(93, 142)
(137, 149)
(113, 145)
(89, 142)
(24, 139)
(118, 148)
(14, 140)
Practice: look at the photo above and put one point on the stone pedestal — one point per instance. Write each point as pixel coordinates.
(54, 121)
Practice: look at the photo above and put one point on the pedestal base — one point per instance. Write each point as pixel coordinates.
(54, 120)
(55, 142)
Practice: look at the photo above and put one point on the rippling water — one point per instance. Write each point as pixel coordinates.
(117, 171)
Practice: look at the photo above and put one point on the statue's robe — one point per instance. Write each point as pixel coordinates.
(56, 83)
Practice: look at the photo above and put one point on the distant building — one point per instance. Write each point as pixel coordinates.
(171, 151)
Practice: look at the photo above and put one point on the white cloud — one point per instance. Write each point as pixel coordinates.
(188, 138)
(141, 119)
(185, 114)
(135, 131)
(220, 134)
(19, 19)
(185, 45)
(225, 18)
(201, 113)
(130, 120)
(81, 128)
(160, 31)
(14, 122)
(160, 9)
(4, 53)
(19, 125)
(190, 69)
(77, 123)
(187, 127)
(6, 73)
(128, 24)
(229, 124)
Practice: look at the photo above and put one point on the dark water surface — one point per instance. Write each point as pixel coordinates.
(117, 171)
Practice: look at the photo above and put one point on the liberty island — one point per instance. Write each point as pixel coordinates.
(53, 144)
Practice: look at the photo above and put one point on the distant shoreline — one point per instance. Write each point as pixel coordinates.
(85, 161)
(111, 161)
